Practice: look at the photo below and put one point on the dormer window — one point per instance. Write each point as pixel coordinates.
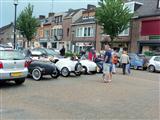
(132, 6)
(158, 4)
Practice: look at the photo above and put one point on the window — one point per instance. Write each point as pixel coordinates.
(59, 32)
(85, 31)
(52, 33)
(60, 19)
(89, 31)
(125, 32)
(67, 32)
(157, 59)
(158, 5)
(55, 32)
(46, 33)
(130, 6)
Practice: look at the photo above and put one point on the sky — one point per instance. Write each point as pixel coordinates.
(41, 7)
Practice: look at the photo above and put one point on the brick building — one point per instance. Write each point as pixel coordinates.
(55, 31)
(145, 35)
(7, 35)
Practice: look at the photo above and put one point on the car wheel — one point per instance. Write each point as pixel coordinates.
(78, 69)
(36, 74)
(20, 81)
(85, 70)
(55, 74)
(135, 67)
(151, 68)
(65, 72)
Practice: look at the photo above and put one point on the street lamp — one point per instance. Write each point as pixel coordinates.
(72, 33)
(15, 4)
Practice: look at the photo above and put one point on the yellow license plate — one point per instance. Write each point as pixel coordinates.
(16, 74)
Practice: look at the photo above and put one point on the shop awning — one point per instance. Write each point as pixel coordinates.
(150, 27)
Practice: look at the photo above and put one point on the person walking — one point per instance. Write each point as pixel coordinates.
(107, 65)
(128, 70)
(124, 61)
(62, 51)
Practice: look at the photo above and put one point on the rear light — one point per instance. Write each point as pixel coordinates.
(1, 65)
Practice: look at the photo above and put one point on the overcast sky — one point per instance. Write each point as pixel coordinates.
(41, 7)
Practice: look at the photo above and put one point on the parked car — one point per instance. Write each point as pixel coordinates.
(5, 47)
(154, 64)
(39, 65)
(66, 66)
(89, 66)
(37, 69)
(136, 62)
(13, 66)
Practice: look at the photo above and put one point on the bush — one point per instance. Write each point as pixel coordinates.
(149, 53)
(70, 54)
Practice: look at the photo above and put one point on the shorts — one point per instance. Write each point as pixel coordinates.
(107, 68)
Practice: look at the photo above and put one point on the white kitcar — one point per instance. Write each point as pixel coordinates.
(88, 66)
(67, 66)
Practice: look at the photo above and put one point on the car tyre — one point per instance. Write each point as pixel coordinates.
(85, 70)
(135, 67)
(151, 68)
(65, 72)
(20, 81)
(36, 74)
(55, 74)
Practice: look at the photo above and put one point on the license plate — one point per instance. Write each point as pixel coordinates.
(16, 74)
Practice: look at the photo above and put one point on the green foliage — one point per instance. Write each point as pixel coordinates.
(27, 23)
(113, 17)
(149, 53)
(70, 54)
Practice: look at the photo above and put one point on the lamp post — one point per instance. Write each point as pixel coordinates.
(72, 40)
(15, 4)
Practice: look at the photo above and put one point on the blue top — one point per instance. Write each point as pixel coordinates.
(109, 55)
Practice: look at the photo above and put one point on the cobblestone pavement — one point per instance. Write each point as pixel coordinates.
(128, 97)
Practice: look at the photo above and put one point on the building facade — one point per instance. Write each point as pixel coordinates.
(145, 35)
(7, 36)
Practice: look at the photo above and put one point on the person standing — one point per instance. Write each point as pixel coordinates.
(62, 51)
(124, 61)
(107, 65)
(92, 54)
(114, 62)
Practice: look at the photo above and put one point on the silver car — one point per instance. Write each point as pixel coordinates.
(13, 66)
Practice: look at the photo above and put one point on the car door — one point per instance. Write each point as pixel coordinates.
(157, 63)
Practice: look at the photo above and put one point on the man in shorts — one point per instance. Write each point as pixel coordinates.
(107, 66)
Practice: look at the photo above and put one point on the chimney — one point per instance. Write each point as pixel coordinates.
(91, 7)
(50, 14)
(41, 17)
(70, 10)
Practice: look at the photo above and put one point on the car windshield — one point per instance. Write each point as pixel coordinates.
(52, 52)
(134, 56)
(11, 55)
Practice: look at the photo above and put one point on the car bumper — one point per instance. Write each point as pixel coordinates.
(13, 74)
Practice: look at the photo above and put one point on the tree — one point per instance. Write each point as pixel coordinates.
(27, 23)
(113, 17)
